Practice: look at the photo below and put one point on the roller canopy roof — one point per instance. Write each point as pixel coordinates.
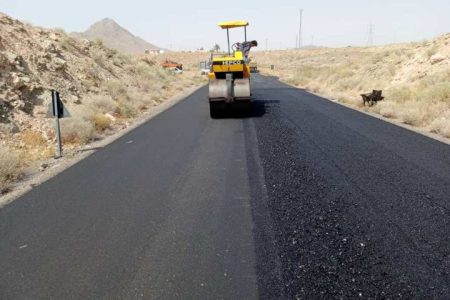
(233, 24)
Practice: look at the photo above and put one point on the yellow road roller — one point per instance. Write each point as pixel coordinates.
(229, 77)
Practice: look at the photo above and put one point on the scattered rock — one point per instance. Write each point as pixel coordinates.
(10, 128)
(59, 64)
(49, 46)
(10, 57)
(18, 81)
(53, 36)
(75, 99)
(437, 58)
(110, 116)
(43, 167)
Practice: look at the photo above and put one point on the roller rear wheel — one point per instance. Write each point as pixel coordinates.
(214, 110)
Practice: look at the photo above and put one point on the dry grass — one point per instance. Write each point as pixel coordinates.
(33, 138)
(9, 167)
(102, 103)
(416, 89)
(36, 147)
(442, 125)
(102, 122)
(77, 130)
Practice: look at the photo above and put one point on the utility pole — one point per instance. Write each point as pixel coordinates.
(296, 41)
(300, 30)
(370, 38)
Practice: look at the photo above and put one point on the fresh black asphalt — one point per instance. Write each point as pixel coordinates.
(301, 199)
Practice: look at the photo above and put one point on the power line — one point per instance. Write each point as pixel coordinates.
(370, 38)
(300, 30)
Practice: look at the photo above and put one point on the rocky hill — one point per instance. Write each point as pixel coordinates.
(116, 37)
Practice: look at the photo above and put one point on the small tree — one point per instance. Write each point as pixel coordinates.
(216, 48)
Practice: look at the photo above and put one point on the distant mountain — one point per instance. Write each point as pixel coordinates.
(116, 37)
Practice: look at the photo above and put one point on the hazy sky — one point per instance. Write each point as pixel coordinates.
(192, 24)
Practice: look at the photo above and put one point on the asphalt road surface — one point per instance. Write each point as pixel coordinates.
(303, 199)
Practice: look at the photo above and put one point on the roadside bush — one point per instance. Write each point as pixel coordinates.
(388, 109)
(439, 92)
(103, 103)
(100, 59)
(9, 167)
(432, 51)
(400, 94)
(33, 138)
(67, 42)
(77, 130)
(117, 90)
(441, 126)
(413, 114)
(36, 145)
(102, 122)
(127, 110)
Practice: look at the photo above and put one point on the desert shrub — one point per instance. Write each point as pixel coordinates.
(103, 56)
(400, 94)
(304, 74)
(353, 101)
(140, 101)
(102, 122)
(77, 130)
(9, 167)
(388, 109)
(36, 145)
(99, 43)
(127, 109)
(348, 83)
(156, 96)
(392, 69)
(377, 58)
(144, 70)
(413, 114)
(60, 31)
(67, 42)
(110, 53)
(432, 51)
(99, 59)
(117, 90)
(441, 126)
(33, 138)
(92, 72)
(102, 103)
(84, 112)
(439, 92)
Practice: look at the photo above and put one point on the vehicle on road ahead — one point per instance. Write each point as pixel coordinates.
(229, 78)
